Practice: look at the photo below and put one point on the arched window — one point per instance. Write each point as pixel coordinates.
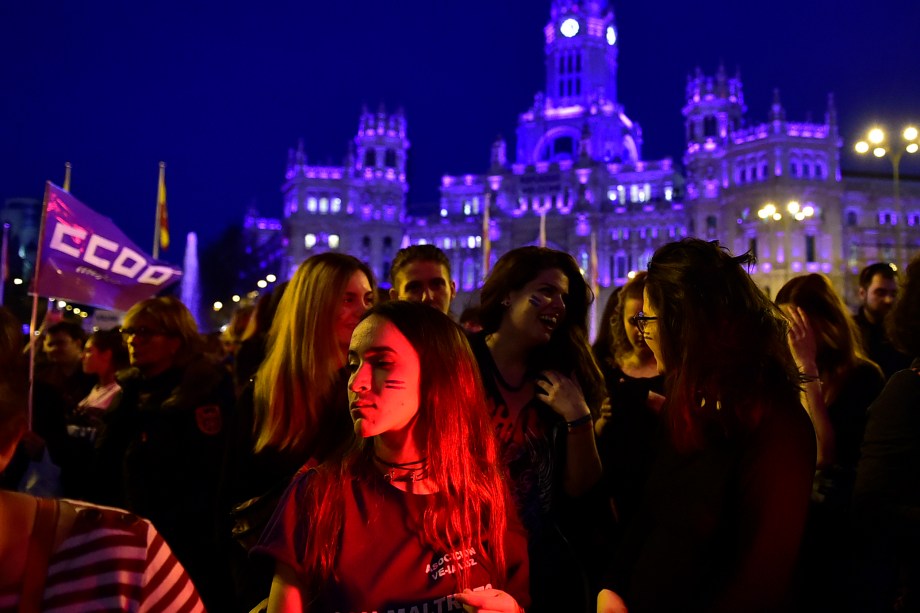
(370, 158)
(390, 159)
(709, 126)
(852, 218)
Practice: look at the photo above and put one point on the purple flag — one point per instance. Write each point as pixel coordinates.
(85, 258)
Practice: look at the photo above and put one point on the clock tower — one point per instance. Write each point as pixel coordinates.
(581, 52)
(578, 114)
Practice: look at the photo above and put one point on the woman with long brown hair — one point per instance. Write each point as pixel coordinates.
(723, 510)
(840, 384)
(544, 388)
(416, 515)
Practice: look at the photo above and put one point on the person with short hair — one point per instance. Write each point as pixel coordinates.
(421, 273)
(104, 354)
(878, 292)
(416, 516)
(724, 506)
(161, 447)
(63, 342)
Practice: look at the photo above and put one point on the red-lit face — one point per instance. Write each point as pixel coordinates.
(538, 308)
(357, 299)
(383, 389)
(96, 361)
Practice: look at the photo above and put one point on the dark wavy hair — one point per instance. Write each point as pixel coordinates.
(722, 340)
(468, 507)
(603, 342)
(839, 343)
(568, 348)
(903, 323)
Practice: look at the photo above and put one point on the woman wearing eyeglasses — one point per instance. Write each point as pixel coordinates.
(629, 418)
(724, 507)
(161, 446)
(544, 386)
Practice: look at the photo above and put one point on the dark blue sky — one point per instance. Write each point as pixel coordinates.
(221, 90)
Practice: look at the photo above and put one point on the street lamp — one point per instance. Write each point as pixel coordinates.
(878, 142)
(793, 210)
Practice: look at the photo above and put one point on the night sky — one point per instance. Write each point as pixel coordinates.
(220, 91)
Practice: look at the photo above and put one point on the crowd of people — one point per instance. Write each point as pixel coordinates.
(345, 449)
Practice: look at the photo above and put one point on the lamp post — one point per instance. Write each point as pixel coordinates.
(793, 211)
(881, 146)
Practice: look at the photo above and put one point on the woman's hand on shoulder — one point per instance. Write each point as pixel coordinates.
(562, 394)
(488, 601)
(609, 601)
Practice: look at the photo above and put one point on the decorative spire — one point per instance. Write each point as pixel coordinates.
(777, 113)
(301, 157)
(584, 144)
(831, 114)
(499, 154)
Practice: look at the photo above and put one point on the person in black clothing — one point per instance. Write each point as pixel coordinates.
(295, 410)
(842, 382)
(886, 499)
(629, 418)
(251, 351)
(161, 447)
(721, 517)
(878, 292)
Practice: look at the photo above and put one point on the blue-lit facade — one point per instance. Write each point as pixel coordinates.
(577, 179)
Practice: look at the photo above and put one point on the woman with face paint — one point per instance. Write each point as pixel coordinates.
(416, 515)
(543, 386)
(722, 513)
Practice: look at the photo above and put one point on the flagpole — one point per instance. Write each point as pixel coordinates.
(486, 237)
(4, 260)
(543, 228)
(156, 228)
(595, 285)
(67, 167)
(34, 321)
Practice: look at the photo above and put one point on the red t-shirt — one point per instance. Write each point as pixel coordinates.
(382, 564)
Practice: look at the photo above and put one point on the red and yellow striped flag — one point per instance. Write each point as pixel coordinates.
(162, 214)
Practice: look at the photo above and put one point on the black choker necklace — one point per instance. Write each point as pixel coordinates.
(511, 388)
(417, 470)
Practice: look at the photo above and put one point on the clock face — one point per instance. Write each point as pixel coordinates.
(569, 28)
(611, 35)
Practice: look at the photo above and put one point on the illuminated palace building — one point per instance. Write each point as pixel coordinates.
(578, 171)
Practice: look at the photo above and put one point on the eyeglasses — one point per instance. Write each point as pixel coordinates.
(640, 320)
(142, 332)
